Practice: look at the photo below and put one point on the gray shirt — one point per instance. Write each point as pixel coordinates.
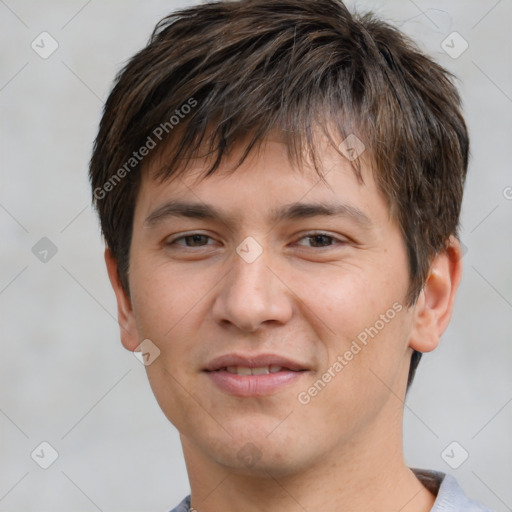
(450, 497)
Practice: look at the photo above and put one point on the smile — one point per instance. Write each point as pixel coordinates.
(253, 376)
(244, 370)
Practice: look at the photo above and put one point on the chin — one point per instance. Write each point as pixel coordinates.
(262, 462)
(257, 453)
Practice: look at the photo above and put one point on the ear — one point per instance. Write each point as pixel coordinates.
(125, 317)
(433, 309)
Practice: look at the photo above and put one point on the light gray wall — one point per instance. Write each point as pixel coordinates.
(66, 380)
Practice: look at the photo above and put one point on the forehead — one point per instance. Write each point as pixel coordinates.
(274, 151)
(267, 184)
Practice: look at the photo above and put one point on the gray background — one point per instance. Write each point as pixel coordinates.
(65, 378)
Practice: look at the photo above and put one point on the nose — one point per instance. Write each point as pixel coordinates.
(253, 294)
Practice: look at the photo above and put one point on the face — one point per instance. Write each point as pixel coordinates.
(276, 301)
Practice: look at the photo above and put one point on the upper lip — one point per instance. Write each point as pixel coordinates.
(253, 361)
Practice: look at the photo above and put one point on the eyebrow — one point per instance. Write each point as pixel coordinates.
(293, 211)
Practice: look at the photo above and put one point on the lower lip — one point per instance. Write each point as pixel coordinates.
(253, 385)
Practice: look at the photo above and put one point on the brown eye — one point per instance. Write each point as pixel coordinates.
(193, 240)
(320, 240)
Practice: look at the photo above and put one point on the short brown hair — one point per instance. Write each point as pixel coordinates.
(247, 67)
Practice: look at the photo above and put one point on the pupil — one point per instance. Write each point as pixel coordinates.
(196, 239)
(319, 239)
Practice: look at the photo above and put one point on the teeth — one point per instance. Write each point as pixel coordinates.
(263, 370)
(260, 371)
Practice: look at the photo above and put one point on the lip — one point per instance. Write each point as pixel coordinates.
(254, 385)
(254, 361)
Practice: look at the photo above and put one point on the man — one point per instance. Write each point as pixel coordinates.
(279, 186)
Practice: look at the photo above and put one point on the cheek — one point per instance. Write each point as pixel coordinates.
(349, 298)
(366, 370)
(165, 297)
(364, 329)
(167, 307)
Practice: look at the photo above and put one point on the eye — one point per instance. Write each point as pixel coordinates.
(191, 240)
(320, 240)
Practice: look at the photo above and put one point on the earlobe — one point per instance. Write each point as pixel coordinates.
(125, 316)
(433, 309)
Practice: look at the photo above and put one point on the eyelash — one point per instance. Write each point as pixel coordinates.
(309, 235)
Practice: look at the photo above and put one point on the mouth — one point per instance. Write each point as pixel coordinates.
(252, 376)
(254, 364)
(261, 370)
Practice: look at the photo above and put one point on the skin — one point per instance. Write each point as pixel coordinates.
(305, 298)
